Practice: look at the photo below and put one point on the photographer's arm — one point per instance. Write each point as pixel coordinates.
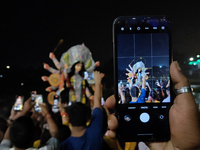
(97, 93)
(53, 129)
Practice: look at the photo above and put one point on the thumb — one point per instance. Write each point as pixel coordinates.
(177, 77)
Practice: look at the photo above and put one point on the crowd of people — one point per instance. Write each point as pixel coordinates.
(132, 93)
(78, 127)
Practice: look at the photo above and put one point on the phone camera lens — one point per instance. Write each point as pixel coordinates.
(138, 28)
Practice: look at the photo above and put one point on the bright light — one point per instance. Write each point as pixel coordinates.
(1, 76)
(22, 84)
(8, 67)
(191, 59)
(160, 66)
(198, 56)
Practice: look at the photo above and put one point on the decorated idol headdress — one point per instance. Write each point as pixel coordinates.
(78, 53)
(138, 65)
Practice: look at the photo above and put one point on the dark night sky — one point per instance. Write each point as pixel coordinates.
(30, 30)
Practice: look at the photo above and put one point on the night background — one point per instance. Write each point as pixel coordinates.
(151, 49)
(31, 30)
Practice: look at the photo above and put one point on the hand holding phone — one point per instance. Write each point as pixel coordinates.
(186, 105)
(38, 100)
(141, 43)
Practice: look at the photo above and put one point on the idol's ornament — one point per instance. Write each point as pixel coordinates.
(73, 76)
(135, 73)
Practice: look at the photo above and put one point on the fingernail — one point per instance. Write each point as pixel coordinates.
(177, 66)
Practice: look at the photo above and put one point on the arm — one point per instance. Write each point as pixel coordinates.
(14, 115)
(143, 80)
(55, 61)
(97, 93)
(53, 129)
(50, 69)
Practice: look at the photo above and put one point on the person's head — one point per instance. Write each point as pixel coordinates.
(153, 94)
(22, 132)
(134, 92)
(78, 114)
(147, 92)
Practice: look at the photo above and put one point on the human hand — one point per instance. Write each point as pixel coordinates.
(97, 77)
(183, 117)
(51, 55)
(28, 105)
(44, 109)
(46, 66)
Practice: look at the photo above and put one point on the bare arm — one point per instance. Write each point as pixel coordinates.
(14, 115)
(97, 93)
(143, 80)
(53, 129)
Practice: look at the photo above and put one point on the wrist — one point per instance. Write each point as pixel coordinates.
(47, 116)
(64, 114)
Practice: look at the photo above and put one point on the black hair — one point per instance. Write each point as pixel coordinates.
(78, 114)
(64, 133)
(81, 72)
(153, 94)
(134, 91)
(22, 132)
(147, 91)
(127, 95)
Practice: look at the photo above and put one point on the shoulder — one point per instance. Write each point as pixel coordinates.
(5, 145)
(96, 111)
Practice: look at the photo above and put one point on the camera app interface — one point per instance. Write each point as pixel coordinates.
(143, 68)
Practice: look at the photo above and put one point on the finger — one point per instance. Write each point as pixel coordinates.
(111, 134)
(106, 109)
(184, 113)
(112, 122)
(178, 78)
(110, 102)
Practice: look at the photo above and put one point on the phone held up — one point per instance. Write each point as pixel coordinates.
(56, 103)
(142, 56)
(19, 100)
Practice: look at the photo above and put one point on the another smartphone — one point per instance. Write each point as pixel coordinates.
(38, 100)
(56, 103)
(19, 100)
(33, 93)
(142, 56)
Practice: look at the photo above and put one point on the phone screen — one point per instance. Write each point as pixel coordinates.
(18, 106)
(142, 57)
(33, 93)
(56, 103)
(38, 100)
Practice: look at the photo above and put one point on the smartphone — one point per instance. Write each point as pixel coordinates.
(38, 100)
(55, 106)
(18, 106)
(33, 93)
(142, 56)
